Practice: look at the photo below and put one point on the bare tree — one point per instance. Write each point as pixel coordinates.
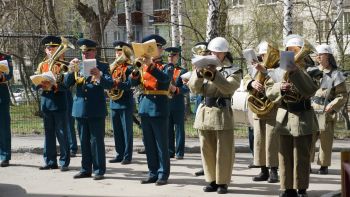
(128, 22)
(97, 22)
(50, 13)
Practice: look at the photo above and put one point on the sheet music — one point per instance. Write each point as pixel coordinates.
(87, 66)
(204, 61)
(250, 56)
(287, 60)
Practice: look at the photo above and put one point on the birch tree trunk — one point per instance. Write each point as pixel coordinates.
(51, 18)
(287, 19)
(129, 32)
(174, 23)
(212, 19)
(180, 17)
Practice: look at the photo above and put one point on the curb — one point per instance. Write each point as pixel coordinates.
(192, 149)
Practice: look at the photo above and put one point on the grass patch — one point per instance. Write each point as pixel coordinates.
(25, 122)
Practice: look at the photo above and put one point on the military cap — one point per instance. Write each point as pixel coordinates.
(86, 44)
(201, 43)
(172, 51)
(199, 48)
(51, 41)
(120, 44)
(159, 39)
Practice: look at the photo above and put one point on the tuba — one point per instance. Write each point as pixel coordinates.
(65, 44)
(125, 57)
(300, 59)
(257, 101)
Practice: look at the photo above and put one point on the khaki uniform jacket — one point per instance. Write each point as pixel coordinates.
(300, 123)
(337, 94)
(223, 85)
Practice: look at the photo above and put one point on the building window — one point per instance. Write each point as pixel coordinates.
(121, 33)
(324, 28)
(237, 31)
(137, 5)
(162, 30)
(138, 33)
(161, 4)
(120, 7)
(267, 1)
(237, 2)
(346, 23)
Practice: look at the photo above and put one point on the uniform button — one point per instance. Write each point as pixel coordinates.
(85, 98)
(85, 90)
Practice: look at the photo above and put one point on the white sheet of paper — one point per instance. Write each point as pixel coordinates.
(87, 66)
(250, 56)
(47, 76)
(4, 66)
(204, 61)
(287, 60)
(186, 75)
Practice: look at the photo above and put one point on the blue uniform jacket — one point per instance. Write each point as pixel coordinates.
(155, 105)
(4, 92)
(127, 100)
(90, 100)
(177, 102)
(54, 99)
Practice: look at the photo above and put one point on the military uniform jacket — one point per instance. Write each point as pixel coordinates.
(177, 102)
(298, 123)
(157, 79)
(90, 100)
(224, 84)
(4, 92)
(127, 100)
(247, 81)
(332, 92)
(56, 98)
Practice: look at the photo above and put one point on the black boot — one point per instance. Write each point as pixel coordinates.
(273, 175)
(289, 193)
(263, 176)
(323, 170)
(199, 173)
(302, 193)
(212, 187)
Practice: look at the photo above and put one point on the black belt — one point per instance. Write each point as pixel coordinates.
(216, 102)
(320, 100)
(297, 107)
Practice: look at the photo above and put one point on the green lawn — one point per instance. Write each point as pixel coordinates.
(25, 122)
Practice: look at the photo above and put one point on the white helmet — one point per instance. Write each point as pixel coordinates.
(262, 47)
(294, 40)
(324, 48)
(218, 44)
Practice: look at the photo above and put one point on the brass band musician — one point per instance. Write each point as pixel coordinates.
(122, 103)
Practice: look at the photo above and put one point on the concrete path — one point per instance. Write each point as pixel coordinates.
(23, 178)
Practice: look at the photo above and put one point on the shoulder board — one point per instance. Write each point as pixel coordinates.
(338, 77)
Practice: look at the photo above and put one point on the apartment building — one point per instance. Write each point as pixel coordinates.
(147, 17)
(254, 20)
